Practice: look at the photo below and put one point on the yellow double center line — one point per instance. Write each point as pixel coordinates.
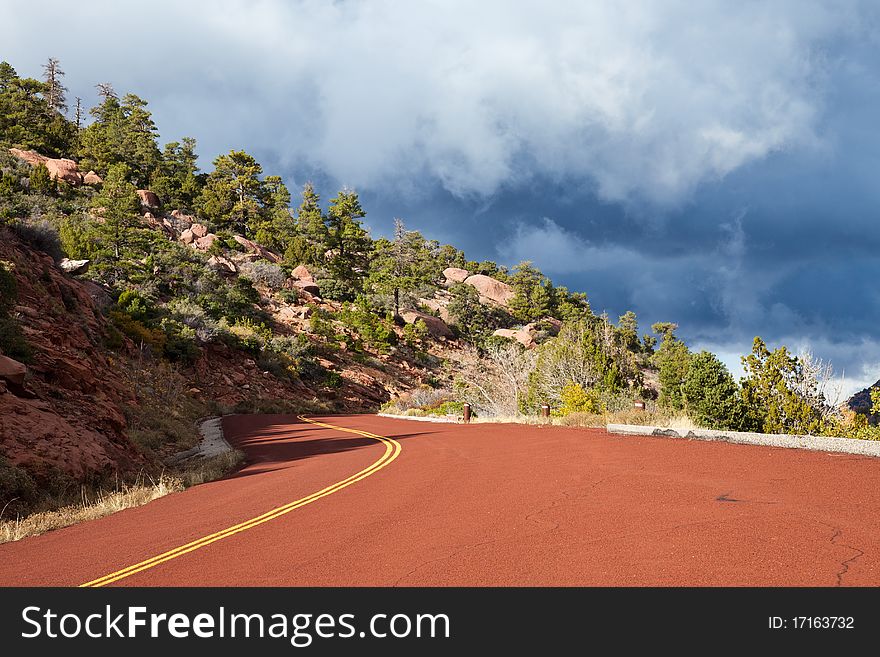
(392, 450)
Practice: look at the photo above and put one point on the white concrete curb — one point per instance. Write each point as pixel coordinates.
(816, 443)
(213, 443)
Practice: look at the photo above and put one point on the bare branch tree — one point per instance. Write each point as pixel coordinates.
(502, 385)
(105, 90)
(78, 113)
(817, 385)
(52, 74)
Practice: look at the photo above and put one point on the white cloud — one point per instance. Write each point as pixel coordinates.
(642, 100)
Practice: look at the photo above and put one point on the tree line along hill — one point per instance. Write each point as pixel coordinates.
(138, 293)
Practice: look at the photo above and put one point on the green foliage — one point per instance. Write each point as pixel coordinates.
(123, 133)
(535, 296)
(376, 332)
(275, 227)
(628, 327)
(233, 302)
(140, 333)
(404, 268)
(416, 333)
(333, 379)
(12, 342)
(177, 180)
(118, 203)
(588, 354)
(350, 248)
(27, 120)
(309, 243)
(233, 196)
(575, 399)
(40, 181)
(673, 360)
(772, 401)
(712, 398)
(320, 324)
(474, 320)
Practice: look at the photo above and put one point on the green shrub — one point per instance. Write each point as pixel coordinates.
(376, 332)
(139, 333)
(575, 399)
(41, 235)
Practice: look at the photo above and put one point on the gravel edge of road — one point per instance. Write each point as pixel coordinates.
(213, 442)
(815, 443)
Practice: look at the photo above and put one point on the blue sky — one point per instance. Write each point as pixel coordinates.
(715, 164)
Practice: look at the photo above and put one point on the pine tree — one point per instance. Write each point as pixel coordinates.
(309, 244)
(404, 266)
(277, 227)
(123, 133)
(673, 360)
(177, 180)
(349, 246)
(52, 74)
(119, 201)
(233, 194)
(712, 397)
(27, 120)
(534, 293)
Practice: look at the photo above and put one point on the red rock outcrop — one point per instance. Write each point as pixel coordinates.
(69, 418)
(148, 199)
(12, 371)
(92, 178)
(436, 326)
(59, 169)
(491, 289)
(260, 250)
(455, 275)
(302, 273)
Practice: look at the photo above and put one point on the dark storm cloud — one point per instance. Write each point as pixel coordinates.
(709, 163)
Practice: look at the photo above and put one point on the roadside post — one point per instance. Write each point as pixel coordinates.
(466, 411)
(545, 411)
(639, 405)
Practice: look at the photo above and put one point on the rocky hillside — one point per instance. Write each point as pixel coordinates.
(861, 402)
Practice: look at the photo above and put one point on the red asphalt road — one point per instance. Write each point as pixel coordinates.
(479, 505)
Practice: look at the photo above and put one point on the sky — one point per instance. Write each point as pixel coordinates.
(714, 164)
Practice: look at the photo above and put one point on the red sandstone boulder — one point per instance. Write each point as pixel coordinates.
(253, 247)
(455, 275)
(302, 273)
(222, 264)
(199, 230)
(12, 371)
(436, 326)
(65, 170)
(206, 242)
(31, 157)
(59, 169)
(491, 289)
(148, 199)
(308, 286)
(92, 178)
(187, 236)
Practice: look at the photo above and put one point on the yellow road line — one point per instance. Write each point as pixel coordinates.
(392, 450)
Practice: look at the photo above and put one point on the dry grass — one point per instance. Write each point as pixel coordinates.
(103, 504)
(593, 420)
(201, 470)
(125, 496)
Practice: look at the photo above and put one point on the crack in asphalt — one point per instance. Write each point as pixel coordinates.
(844, 565)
